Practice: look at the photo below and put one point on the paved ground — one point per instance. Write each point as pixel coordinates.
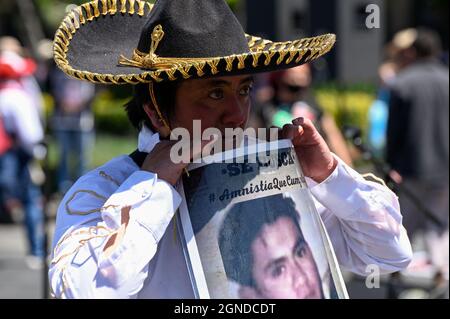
(17, 280)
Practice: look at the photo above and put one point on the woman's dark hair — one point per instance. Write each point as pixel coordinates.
(165, 97)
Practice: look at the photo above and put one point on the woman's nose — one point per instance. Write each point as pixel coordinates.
(236, 113)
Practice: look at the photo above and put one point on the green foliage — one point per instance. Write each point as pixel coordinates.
(53, 11)
(233, 4)
(106, 147)
(108, 107)
(110, 115)
(349, 106)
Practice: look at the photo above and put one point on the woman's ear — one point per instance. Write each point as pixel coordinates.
(156, 121)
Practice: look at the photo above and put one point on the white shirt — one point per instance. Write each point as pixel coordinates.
(362, 218)
(20, 116)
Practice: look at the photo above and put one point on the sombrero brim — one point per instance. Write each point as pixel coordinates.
(115, 26)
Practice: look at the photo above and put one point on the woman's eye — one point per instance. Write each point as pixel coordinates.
(246, 90)
(216, 94)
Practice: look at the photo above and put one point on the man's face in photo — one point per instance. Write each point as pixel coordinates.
(283, 264)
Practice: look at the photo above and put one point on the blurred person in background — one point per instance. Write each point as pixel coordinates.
(379, 110)
(418, 138)
(286, 95)
(73, 125)
(29, 82)
(21, 123)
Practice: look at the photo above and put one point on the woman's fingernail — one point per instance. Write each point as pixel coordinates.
(298, 121)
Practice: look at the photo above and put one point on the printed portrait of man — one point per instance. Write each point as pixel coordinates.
(264, 251)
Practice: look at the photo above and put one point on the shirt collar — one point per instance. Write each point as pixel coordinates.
(147, 140)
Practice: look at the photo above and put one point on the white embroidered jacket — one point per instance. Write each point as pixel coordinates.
(362, 218)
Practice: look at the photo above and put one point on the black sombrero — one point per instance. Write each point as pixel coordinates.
(133, 41)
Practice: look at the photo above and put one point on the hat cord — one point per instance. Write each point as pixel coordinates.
(151, 60)
(155, 104)
(161, 117)
(166, 125)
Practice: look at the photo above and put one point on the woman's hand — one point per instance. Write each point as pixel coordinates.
(159, 161)
(314, 155)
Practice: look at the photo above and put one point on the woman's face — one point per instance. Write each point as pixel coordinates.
(222, 102)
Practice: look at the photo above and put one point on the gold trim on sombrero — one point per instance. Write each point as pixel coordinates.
(263, 53)
(84, 14)
(152, 61)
